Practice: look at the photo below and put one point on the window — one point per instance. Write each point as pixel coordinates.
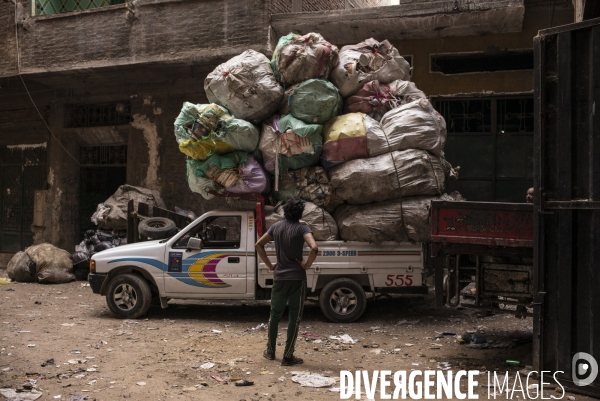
(217, 232)
(461, 63)
(97, 115)
(491, 139)
(45, 7)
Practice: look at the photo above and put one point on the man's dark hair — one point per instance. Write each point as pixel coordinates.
(293, 209)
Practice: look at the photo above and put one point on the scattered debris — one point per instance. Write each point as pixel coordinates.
(307, 334)
(12, 394)
(49, 362)
(313, 380)
(244, 382)
(141, 383)
(344, 339)
(217, 331)
(409, 322)
(261, 327)
(207, 365)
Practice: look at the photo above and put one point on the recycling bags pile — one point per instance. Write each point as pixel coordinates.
(345, 130)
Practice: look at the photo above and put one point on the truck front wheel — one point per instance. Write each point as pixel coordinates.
(343, 300)
(128, 296)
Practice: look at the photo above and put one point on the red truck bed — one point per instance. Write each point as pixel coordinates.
(482, 223)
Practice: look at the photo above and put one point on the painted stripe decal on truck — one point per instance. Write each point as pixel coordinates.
(198, 270)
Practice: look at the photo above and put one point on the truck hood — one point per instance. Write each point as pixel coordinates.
(131, 250)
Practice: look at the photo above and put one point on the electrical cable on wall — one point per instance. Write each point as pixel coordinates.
(27, 90)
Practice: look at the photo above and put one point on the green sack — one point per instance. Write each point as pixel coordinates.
(300, 144)
(204, 129)
(315, 101)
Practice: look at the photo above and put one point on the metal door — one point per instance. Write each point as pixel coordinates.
(22, 172)
(567, 203)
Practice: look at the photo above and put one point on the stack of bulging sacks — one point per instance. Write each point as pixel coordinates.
(345, 130)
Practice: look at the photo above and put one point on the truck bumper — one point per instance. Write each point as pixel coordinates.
(96, 280)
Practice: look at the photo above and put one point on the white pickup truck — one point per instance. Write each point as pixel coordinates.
(214, 258)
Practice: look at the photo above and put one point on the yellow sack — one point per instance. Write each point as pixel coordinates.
(345, 126)
(202, 150)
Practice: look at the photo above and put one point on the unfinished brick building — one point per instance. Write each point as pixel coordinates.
(88, 97)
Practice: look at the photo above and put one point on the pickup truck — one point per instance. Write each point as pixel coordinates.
(214, 258)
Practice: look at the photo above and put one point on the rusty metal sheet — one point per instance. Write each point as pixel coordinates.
(482, 223)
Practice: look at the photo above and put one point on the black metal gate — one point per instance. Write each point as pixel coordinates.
(103, 170)
(567, 204)
(22, 172)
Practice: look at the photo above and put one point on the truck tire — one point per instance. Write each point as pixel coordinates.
(157, 227)
(343, 300)
(128, 296)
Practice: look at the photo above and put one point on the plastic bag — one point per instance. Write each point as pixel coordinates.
(254, 180)
(18, 268)
(350, 136)
(315, 101)
(245, 85)
(116, 217)
(299, 58)
(80, 257)
(376, 98)
(204, 129)
(368, 61)
(99, 216)
(310, 184)
(394, 175)
(399, 220)
(290, 143)
(415, 125)
(321, 223)
(187, 213)
(53, 265)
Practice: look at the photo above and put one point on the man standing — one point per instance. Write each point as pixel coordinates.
(289, 281)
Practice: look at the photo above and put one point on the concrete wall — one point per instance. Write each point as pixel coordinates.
(432, 84)
(139, 32)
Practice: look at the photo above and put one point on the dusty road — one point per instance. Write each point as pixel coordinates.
(160, 357)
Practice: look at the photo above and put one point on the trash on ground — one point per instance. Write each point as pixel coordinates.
(5, 280)
(49, 362)
(141, 383)
(244, 382)
(344, 339)
(207, 365)
(217, 331)
(12, 394)
(313, 380)
(261, 327)
(307, 334)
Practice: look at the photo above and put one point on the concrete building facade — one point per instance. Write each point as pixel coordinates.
(88, 98)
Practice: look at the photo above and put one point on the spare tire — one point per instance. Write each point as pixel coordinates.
(157, 228)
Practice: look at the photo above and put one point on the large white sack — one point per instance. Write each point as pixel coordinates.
(398, 220)
(245, 85)
(415, 125)
(380, 61)
(320, 222)
(398, 174)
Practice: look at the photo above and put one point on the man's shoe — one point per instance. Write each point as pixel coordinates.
(291, 361)
(269, 355)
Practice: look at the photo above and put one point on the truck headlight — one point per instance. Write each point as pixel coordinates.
(92, 265)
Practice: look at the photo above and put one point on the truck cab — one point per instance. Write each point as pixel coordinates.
(214, 258)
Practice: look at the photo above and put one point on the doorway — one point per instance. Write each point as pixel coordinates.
(103, 171)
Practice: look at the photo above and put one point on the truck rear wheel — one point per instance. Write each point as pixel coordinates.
(343, 300)
(128, 296)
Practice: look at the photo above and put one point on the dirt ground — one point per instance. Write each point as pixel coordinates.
(160, 356)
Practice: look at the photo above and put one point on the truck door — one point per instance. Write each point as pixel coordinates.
(219, 268)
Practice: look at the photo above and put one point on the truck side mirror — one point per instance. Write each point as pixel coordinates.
(194, 244)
